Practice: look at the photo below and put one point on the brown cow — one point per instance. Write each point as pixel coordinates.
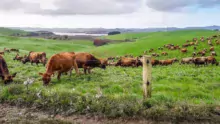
(164, 53)
(155, 62)
(217, 42)
(168, 62)
(2, 53)
(6, 50)
(210, 43)
(155, 54)
(186, 60)
(213, 53)
(200, 61)
(194, 54)
(202, 53)
(35, 57)
(212, 49)
(4, 73)
(184, 50)
(17, 57)
(126, 62)
(212, 60)
(192, 43)
(88, 61)
(151, 50)
(14, 50)
(61, 63)
(185, 45)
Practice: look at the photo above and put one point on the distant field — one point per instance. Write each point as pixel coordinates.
(48, 46)
(154, 40)
(7, 31)
(179, 91)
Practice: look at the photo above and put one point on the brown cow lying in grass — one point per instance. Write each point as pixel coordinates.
(4, 73)
(88, 62)
(61, 63)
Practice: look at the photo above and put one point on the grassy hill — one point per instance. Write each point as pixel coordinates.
(179, 91)
(7, 31)
(154, 40)
(48, 46)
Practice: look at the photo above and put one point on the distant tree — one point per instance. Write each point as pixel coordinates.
(216, 29)
(114, 33)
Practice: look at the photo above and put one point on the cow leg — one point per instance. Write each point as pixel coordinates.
(89, 70)
(59, 75)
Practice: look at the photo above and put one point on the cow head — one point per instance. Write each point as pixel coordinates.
(8, 78)
(25, 60)
(104, 63)
(46, 77)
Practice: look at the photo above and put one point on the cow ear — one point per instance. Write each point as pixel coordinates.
(41, 74)
(13, 75)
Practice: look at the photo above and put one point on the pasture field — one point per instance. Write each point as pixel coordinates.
(179, 91)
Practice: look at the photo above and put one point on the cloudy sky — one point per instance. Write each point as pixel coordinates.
(109, 13)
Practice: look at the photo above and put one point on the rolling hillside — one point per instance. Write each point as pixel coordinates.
(7, 31)
(145, 41)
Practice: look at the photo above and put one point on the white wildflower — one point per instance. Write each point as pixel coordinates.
(29, 81)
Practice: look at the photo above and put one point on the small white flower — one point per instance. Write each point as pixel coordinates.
(29, 81)
(73, 89)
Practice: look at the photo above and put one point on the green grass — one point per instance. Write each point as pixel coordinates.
(48, 46)
(179, 91)
(153, 40)
(7, 31)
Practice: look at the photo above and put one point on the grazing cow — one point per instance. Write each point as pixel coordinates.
(187, 41)
(155, 62)
(151, 50)
(164, 53)
(192, 43)
(194, 54)
(186, 60)
(197, 42)
(202, 39)
(213, 53)
(185, 45)
(14, 50)
(6, 50)
(212, 60)
(217, 42)
(17, 57)
(2, 53)
(155, 54)
(126, 62)
(210, 43)
(202, 53)
(195, 39)
(4, 73)
(168, 62)
(212, 49)
(194, 48)
(35, 57)
(88, 62)
(184, 50)
(200, 61)
(61, 63)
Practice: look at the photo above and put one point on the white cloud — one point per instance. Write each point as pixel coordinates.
(175, 5)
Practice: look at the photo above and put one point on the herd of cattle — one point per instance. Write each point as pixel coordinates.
(65, 62)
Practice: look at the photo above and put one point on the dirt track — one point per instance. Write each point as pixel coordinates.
(15, 115)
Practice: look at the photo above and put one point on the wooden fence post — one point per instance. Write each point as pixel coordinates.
(147, 73)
